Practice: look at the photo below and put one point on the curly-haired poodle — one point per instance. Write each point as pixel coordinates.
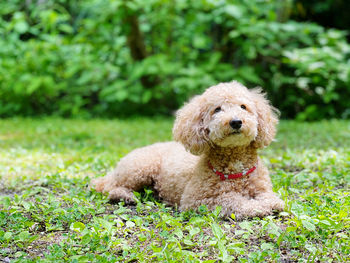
(214, 161)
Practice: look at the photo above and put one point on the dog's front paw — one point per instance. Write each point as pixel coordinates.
(277, 204)
(271, 202)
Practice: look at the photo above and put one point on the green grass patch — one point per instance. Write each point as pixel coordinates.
(47, 212)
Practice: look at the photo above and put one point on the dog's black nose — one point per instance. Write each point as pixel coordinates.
(236, 124)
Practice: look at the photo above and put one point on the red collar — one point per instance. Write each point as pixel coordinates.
(223, 176)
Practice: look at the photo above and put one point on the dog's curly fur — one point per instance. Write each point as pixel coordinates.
(202, 127)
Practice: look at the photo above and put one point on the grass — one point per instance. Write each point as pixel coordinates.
(48, 214)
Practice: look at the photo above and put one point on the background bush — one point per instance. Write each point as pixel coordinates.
(116, 57)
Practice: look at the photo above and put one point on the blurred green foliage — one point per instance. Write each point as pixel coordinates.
(118, 57)
(328, 13)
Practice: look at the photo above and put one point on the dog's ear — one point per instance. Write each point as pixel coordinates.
(189, 126)
(267, 119)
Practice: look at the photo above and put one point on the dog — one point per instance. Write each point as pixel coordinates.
(213, 160)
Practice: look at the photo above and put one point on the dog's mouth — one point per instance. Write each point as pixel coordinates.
(235, 132)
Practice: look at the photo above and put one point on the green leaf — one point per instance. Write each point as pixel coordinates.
(130, 224)
(267, 246)
(308, 225)
(194, 231)
(21, 27)
(217, 230)
(188, 242)
(26, 205)
(8, 235)
(23, 236)
(246, 225)
(77, 226)
(5, 201)
(217, 211)
(178, 232)
(234, 11)
(86, 239)
(196, 221)
(225, 257)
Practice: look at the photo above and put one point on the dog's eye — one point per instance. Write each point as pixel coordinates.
(217, 110)
(243, 107)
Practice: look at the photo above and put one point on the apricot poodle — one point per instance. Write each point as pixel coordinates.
(214, 161)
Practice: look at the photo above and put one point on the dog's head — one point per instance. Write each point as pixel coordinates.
(226, 115)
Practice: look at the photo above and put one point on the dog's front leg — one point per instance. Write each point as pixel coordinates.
(231, 203)
(244, 207)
